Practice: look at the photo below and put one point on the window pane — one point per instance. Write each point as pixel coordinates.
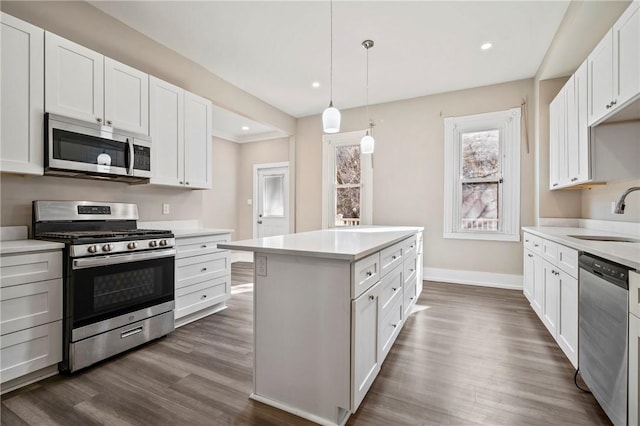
(273, 201)
(348, 164)
(347, 206)
(480, 206)
(481, 154)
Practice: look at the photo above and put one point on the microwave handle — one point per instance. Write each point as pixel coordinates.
(131, 159)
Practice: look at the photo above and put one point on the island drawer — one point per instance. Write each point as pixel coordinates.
(194, 246)
(364, 274)
(409, 246)
(409, 296)
(198, 296)
(390, 257)
(27, 268)
(390, 326)
(568, 260)
(410, 267)
(390, 289)
(550, 251)
(194, 269)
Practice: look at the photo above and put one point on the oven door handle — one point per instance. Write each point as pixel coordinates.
(92, 262)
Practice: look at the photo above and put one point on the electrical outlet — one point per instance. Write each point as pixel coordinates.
(165, 208)
(261, 265)
(249, 201)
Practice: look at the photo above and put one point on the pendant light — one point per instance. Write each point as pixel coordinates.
(331, 115)
(367, 142)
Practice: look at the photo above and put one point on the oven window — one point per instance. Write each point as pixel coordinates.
(108, 291)
(70, 146)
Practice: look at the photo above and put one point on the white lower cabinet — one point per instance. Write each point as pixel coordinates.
(30, 315)
(203, 276)
(634, 369)
(550, 283)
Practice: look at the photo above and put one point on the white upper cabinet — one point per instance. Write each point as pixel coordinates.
(166, 118)
(73, 79)
(86, 85)
(22, 100)
(181, 131)
(126, 97)
(569, 134)
(197, 141)
(614, 66)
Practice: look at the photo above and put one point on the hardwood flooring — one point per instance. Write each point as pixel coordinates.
(472, 356)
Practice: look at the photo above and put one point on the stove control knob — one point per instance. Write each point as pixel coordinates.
(163, 242)
(107, 247)
(92, 249)
(132, 245)
(153, 243)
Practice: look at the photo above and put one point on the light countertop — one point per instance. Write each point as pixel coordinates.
(627, 254)
(342, 243)
(198, 232)
(24, 246)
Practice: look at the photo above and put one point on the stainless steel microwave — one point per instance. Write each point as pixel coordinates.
(76, 148)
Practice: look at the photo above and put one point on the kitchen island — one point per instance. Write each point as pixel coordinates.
(328, 306)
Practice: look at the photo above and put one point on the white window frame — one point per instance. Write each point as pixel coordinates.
(508, 122)
(329, 144)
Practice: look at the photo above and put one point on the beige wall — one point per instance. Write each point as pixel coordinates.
(272, 151)
(219, 204)
(84, 24)
(408, 171)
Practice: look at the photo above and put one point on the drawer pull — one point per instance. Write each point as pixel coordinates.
(394, 325)
(411, 270)
(369, 273)
(393, 258)
(412, 297)
(204, 296)
(131, 332)
(530, 255)
(394, 288)
(372, 297)
(574, 179)
(526, 241)
(410, 246)
(204, 269)
(536, 245)
(203, 246)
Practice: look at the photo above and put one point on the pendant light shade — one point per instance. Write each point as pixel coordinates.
(331, 115)
(367, 143)
(331, 119)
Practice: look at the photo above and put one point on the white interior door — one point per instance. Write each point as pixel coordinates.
(271, 197)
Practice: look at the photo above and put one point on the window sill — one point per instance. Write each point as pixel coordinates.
(481, 236)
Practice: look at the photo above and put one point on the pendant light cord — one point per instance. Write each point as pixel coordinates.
(368, 116)
(331, 54)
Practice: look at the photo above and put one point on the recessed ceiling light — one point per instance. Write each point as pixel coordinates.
(245, 128)
(486, 46)
(315, 84)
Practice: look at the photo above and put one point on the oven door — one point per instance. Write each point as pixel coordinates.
(105, 287)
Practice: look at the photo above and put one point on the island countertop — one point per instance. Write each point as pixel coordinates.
(352, 243)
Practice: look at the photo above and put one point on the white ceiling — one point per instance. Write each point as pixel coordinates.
(276, 49)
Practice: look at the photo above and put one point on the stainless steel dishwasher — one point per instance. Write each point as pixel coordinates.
(603, 331)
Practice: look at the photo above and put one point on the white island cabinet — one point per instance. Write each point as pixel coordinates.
(328, 306)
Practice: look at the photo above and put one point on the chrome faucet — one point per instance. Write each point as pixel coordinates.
(620, 203)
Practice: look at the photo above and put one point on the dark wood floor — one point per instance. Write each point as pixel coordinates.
(472, 356)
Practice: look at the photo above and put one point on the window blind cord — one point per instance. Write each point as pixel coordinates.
(523, 105)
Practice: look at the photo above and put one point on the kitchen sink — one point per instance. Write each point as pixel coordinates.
(610, 238)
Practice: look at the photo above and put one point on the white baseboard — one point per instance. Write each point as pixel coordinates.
(484, 279)
(241, 256)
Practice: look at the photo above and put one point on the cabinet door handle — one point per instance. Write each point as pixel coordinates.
(394, 325)
(555, 184)
(412, 297)
(369, 273)
(372, 297)
(204, 296)
(186, 183)
(574, 179)
(203, 246)
(613, 102)
(394, 288)
(536, 245)
(204, 270)
(393, 258)
(99, 120)
(529, 254)
(181, 182)
(411, 270)
(608, 106)
(109, 122)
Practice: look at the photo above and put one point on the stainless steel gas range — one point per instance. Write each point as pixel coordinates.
(118, 280)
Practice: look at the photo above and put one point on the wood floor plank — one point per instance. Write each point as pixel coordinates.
(472, 356)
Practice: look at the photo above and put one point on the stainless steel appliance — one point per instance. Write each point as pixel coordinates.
(603, 331)
(75, 148)
(118, 280)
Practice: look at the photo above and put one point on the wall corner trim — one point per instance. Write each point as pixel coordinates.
(478, 278)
